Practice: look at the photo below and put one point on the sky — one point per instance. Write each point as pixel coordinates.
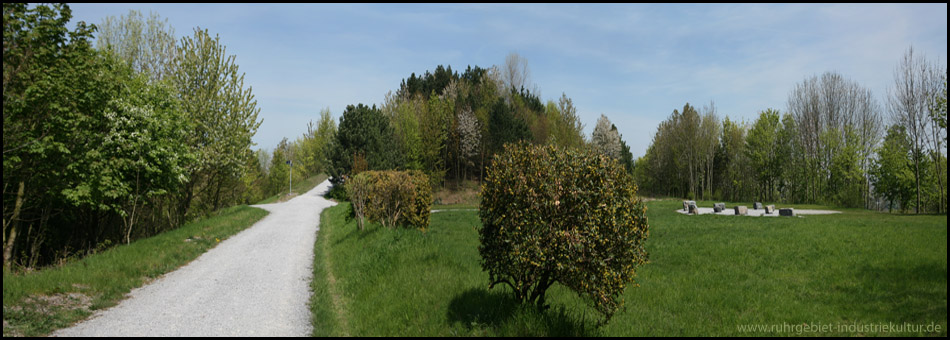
(634, 63)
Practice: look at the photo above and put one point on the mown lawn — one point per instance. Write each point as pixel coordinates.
(851, 273)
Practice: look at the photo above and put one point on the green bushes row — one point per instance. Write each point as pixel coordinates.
(553, 215)
(391, 197)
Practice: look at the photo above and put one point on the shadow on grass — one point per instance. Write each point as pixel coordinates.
(909, 292)
(499, 312)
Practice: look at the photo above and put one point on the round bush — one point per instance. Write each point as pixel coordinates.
(558, 215)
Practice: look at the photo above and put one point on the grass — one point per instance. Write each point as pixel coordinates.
(300, 186)
(707, 276)
(37, 303)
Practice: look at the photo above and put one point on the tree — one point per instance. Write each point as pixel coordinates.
(137, 157)
(567, 129)
(504, 127)
(892, 171)
(708, 142)
(147, 45)
(223, 117)
(43, 65)
(827, 109)
(470, 137)
(313, 144)
(761, 150)
(736, 178)
(515, 72)
(363, 131)
(605, 138)
(909, 106)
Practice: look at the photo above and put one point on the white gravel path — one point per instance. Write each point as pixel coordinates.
(255, 283)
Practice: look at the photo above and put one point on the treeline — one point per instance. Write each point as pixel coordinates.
(109, 143)
(448, 125)
(835, 144)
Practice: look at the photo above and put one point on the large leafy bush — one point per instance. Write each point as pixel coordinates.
(553, 215)
(391, 197)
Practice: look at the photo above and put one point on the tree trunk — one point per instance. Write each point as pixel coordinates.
(11, 239)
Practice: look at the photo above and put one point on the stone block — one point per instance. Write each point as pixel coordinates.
(757, 205)
(786, 212)
(719, 207)
(686, 205)
(770, 209)
(741, 210)
(693, 209)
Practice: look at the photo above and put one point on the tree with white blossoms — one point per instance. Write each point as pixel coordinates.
(604, 139)
(469, 135)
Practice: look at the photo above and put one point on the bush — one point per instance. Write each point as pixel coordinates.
(420, 205)
(567, 216)
(357, 188)
(390, 197)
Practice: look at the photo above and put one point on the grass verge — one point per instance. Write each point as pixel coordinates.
(707, 276)
(37, 303)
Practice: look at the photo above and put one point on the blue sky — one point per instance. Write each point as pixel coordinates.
(635, 63)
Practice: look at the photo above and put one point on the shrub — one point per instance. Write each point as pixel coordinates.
(551, 215)
(421, 203)
(390, 197)
(357, 189)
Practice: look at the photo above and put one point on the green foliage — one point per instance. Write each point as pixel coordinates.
(278, 178)
(420, 203)
(311, 149)
(763, 154)
(391, 197)
(357, 191)
(145, 44)
(223, 117)
(363, 130)
(504, 127)
(554, 215)
(892, 172)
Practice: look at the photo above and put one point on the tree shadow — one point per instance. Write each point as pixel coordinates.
(499, 311)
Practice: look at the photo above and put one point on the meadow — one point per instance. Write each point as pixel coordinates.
(856, 273)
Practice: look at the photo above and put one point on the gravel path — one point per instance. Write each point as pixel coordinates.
(256, 283)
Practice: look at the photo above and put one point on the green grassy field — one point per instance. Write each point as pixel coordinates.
(849, 274)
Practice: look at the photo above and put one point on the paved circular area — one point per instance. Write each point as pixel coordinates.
(759, 212)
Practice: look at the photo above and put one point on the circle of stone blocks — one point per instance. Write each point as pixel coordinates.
(741, 210)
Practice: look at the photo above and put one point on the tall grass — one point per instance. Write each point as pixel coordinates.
(37, 303)
(707, 275)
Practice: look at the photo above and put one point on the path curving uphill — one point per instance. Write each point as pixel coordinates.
(256, 283)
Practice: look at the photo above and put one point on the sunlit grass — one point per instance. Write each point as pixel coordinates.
(707, 275)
